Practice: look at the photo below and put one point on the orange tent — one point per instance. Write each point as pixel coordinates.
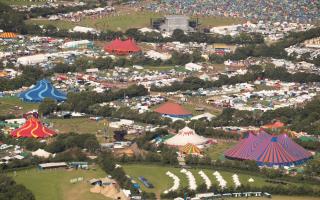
(8, 35)
(274, 125)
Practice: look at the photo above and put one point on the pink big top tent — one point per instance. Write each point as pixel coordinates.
(269, 150)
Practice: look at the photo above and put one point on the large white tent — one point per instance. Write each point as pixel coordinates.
(185, 136)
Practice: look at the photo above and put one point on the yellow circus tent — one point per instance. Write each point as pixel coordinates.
(8, 35)
(3, 74)
(190, 149)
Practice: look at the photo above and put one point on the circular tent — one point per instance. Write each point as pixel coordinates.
(120, 47)
(33, 128)
(245, 148)
(43, 89)
(186, 136)
(173, 110)
(269, 150)
(8, 35)
(190, 149)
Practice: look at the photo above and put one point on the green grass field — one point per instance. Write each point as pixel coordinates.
(8, 105)
(55, 184)
(80, 125)
(157, 176)
(116, 23)
(216, 151)
(130, 19)
(77, 125)
(21, 2)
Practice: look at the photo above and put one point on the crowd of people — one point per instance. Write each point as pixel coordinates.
(277, 10)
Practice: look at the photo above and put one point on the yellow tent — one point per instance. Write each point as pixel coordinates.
(190, 149)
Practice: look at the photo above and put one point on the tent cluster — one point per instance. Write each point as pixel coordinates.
(120, 47)
(269, 150)
(33, 128)
(43, 89)
(173, 110)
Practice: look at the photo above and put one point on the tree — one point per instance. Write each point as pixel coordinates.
(10, 190)
(47, 106)
(178, 124)
(91, 144)
(313, 167)
(178, 35)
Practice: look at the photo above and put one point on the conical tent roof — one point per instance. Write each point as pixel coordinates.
(293, 148)
(32, 128)
(190, 149)
(118, 46)
(269, 150)
(244, 148)
(8, 35)
(173, 109)
(275, 154)
(43, 89)
(185, 136)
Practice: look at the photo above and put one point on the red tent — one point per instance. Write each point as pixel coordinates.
(173, 110)
(32, 128)
(120, 47)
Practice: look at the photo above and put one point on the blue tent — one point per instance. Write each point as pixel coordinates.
(43, 89)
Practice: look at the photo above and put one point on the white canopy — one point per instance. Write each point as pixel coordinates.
(185, 136)
(41, 153)
(206, 115)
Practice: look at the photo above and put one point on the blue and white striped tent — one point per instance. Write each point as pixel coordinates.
(43, 89)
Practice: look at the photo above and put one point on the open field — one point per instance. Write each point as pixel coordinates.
(21, 2)
(80, 125)
(157, 176)
(10, 105)
(119, 22)
(77, 125)
(131, 19)
(55, 184)
(216, 151)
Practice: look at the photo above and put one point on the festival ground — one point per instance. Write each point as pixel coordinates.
(55, 183)
(128, 20)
